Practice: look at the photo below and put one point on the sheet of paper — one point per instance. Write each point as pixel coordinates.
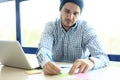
(91, 75)
(65, 76)
(35, 71)
(65, 69)
(83, 76)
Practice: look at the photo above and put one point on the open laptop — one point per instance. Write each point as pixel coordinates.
(12, 54)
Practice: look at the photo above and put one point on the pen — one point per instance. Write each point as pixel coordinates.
(64, 67)
(49, 57)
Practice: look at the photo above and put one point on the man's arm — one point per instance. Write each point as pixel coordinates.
(98, 54)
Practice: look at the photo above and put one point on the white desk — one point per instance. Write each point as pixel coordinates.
(109, 73)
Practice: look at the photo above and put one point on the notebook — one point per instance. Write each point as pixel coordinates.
(12, 55)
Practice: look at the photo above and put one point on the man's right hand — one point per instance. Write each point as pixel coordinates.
(51, 69)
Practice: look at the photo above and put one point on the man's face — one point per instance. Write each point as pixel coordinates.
(69, 14)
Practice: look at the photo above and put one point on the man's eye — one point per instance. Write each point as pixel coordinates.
(67, 11)
(76, 13)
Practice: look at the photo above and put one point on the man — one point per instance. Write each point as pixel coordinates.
(68, 39)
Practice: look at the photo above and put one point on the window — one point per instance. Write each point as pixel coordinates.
(34, 15)
(7, 21)
(103, 15)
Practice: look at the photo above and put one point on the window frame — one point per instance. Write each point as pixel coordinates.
(33, 50)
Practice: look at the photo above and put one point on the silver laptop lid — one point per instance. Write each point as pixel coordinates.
(12, 54)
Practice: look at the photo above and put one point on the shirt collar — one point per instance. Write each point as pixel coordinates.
(71, 29)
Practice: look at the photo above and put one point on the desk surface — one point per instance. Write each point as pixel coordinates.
(109, 73)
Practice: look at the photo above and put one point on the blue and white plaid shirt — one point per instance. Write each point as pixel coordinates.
(79, 42)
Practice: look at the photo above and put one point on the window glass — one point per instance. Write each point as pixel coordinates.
(7, 21)
(103, 15)
(34, 15)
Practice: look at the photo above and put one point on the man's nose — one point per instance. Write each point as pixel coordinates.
(70, 16)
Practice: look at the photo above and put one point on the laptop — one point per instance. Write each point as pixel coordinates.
(12, 55)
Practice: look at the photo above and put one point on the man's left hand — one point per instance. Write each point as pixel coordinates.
(83, 65)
